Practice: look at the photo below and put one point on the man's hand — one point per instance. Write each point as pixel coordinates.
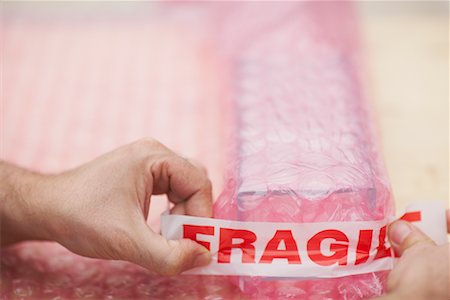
(100, 209)
(422, 271)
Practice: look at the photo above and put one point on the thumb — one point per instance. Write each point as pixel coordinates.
(169, 257)
(403, 235)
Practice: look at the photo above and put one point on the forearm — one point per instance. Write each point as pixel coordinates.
(20, 217)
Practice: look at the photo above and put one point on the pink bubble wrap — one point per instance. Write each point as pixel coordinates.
(305, 149)
(282, 77)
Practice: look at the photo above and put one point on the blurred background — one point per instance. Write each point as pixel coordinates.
(80, 79)
(407, 49)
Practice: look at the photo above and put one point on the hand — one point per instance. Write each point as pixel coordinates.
(100, 209)
(422, 271)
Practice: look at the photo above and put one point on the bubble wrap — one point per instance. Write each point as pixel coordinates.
(305, 149)
(302, 147)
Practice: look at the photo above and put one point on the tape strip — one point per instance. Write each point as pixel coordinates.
(321, 250)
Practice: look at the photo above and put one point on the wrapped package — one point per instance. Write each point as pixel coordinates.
(304, 144)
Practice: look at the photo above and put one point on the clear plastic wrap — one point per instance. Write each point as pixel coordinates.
(305, 149)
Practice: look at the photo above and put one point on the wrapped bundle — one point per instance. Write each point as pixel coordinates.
(304, 146)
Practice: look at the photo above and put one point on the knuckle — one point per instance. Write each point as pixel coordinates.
(146, 142)
(202, 169)
(205, 187)
(208, 185)
(146, 148)
(199, 166)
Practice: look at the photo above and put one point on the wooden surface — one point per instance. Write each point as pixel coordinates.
(408, 65)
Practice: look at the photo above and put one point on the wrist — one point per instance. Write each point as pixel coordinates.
(22, 215)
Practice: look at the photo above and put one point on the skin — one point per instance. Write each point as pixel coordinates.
(422, 271)
(100, 210)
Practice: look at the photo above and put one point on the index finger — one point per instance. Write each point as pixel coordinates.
(186, 185)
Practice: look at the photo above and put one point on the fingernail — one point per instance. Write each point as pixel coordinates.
(202, 259)
(398, 232)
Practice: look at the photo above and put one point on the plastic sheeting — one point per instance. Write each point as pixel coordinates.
(305, 149)
(301, 142)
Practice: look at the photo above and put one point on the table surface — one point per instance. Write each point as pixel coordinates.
(408, 65)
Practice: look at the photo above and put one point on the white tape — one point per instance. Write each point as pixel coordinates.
(433, 222)
(322, 250)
